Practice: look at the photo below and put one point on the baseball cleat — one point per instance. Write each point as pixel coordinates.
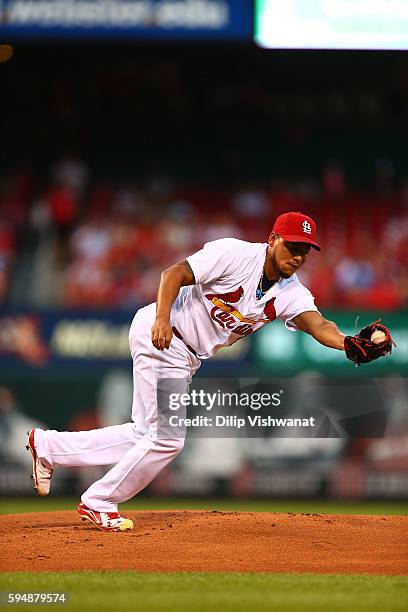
(106, 521)
(42, 474)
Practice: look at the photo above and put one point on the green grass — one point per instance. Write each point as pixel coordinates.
(37, 504)
(235, 592)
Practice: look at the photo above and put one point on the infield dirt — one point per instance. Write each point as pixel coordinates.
(212, 541)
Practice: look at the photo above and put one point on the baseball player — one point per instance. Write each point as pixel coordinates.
(224, 292)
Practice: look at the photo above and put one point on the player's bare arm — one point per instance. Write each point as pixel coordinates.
(171, 280)
(370, 343)
(324, 331)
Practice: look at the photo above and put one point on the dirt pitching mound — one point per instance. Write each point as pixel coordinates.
(164, 541)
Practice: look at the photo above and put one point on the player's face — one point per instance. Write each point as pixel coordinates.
(288, 257)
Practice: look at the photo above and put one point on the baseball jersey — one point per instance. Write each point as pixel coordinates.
(222, 306)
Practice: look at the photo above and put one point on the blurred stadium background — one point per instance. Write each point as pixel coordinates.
(124, 149)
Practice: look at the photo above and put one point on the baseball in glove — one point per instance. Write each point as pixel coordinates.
(362, 349)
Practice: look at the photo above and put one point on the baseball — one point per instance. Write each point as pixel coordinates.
(377, 336)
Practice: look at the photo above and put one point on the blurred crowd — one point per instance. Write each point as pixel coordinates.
(70, 240)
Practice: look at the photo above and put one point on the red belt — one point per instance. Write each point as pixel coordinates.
(180, 337)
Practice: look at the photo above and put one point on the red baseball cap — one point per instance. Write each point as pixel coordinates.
(296, 227)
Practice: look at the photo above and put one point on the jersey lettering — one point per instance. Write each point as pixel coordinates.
(224, 319)
(243, 330)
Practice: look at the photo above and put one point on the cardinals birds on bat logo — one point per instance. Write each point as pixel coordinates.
(226, 315)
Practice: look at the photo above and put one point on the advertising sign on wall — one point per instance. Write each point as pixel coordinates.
(332, 24)
(70, 338)
(130, 19)
(278, 350)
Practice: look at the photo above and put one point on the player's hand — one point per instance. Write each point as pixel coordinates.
(161, 334)
(362, 349)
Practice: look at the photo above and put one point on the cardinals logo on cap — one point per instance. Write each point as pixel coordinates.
(307, 228)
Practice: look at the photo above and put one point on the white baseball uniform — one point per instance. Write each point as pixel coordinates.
(218, 310)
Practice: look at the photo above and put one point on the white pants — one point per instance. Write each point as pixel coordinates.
(136, 448)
